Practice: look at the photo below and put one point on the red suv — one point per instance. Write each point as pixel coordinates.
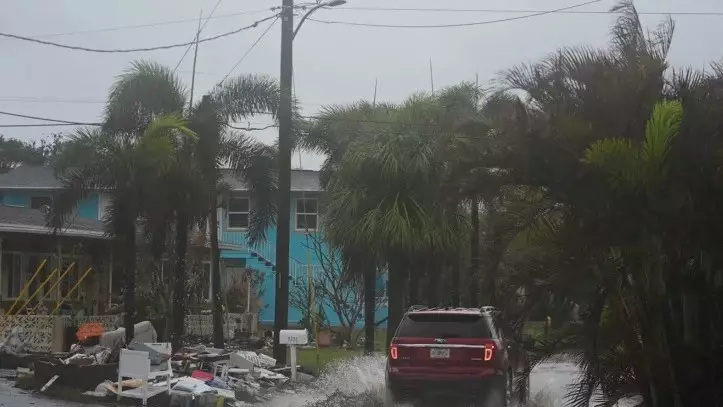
(455, 352)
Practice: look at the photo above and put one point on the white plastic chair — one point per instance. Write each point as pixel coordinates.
(137, 365)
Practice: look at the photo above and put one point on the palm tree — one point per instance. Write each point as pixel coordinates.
(128, 168)
(338, 128)
(192, 185)
(251, 161)
(630, 181)
(384, 196)
(335, 128)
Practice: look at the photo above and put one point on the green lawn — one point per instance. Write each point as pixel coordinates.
(308, 357)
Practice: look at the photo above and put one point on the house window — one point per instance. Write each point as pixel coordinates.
(38, 202)
(71, 277)
(307, 214)
(13, 275)
(239, 209)
(32, 265)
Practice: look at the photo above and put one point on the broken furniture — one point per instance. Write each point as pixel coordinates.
(79, 377)
(137, 365)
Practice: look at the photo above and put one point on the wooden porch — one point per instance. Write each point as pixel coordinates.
(37, 271)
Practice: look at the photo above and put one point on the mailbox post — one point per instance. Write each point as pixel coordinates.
(292, 338)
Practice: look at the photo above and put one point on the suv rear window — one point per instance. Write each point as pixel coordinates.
(443, 325)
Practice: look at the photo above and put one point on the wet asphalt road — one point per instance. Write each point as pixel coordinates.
(12, 397)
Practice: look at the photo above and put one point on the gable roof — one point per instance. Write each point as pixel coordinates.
(29, 177)
(26, 220)
(301, 181)
(36, 177)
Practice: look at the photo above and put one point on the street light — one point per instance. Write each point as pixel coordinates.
(332, 3)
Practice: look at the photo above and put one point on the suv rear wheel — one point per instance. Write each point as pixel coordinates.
(390, 397)
(494, 397)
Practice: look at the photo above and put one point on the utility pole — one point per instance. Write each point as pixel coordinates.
(283, 225)
(431, 75)
(195, 58)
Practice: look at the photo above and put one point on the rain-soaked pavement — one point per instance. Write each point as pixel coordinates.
(355, 383)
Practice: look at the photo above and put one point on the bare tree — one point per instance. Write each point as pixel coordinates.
(333, 288)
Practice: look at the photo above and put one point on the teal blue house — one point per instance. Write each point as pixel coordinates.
(33, 188)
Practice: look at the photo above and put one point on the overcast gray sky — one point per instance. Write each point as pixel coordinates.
(334, 64)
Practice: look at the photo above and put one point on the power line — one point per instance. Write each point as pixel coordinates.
(45, 125)
(249, 50)
(221, 16)
(511, 11)
(157, 24)
(198, 34)
(30, 99)
(161, 47)
(24, 116)
(474, 23)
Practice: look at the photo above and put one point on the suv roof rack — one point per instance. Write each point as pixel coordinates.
(416, 308)
(489, 308)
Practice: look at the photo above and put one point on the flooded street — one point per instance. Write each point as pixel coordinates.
(360, 383)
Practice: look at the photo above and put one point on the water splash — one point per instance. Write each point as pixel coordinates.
(359, 382)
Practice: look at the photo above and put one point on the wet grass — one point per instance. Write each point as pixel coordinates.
(316, 362)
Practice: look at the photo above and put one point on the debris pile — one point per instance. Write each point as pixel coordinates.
(251, 376)
(240, 373)
(13, 344)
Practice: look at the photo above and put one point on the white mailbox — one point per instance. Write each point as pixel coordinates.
(293, 337)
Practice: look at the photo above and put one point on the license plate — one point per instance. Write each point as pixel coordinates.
(437, 353)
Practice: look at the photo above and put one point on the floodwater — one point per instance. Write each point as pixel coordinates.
(360, 383)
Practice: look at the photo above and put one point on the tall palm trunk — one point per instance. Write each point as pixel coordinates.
(179, 286)
(216, 270)
(129, 293)
(414, 276)
(433, 276)
(473, 294)
(455, 283)
(370, 298)
(397, 274)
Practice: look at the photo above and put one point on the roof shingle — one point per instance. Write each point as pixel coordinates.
(30, 177)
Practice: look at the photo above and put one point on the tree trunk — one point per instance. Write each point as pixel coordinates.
(397, 273)
(179, 278)
(216, 271)
(473, 295)
(455, 283)
(129, 293)
(414, 276)
(433, 276)
(370, 297)
(491, 271)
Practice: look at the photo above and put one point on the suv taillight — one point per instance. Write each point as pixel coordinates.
(489, 351)
(393, 352)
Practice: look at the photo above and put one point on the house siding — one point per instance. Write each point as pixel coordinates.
(20, 185)
(87, 208)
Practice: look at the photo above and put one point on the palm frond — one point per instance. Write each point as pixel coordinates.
(247, 95)
(143, 91)
(663, 126)
(255, 164)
